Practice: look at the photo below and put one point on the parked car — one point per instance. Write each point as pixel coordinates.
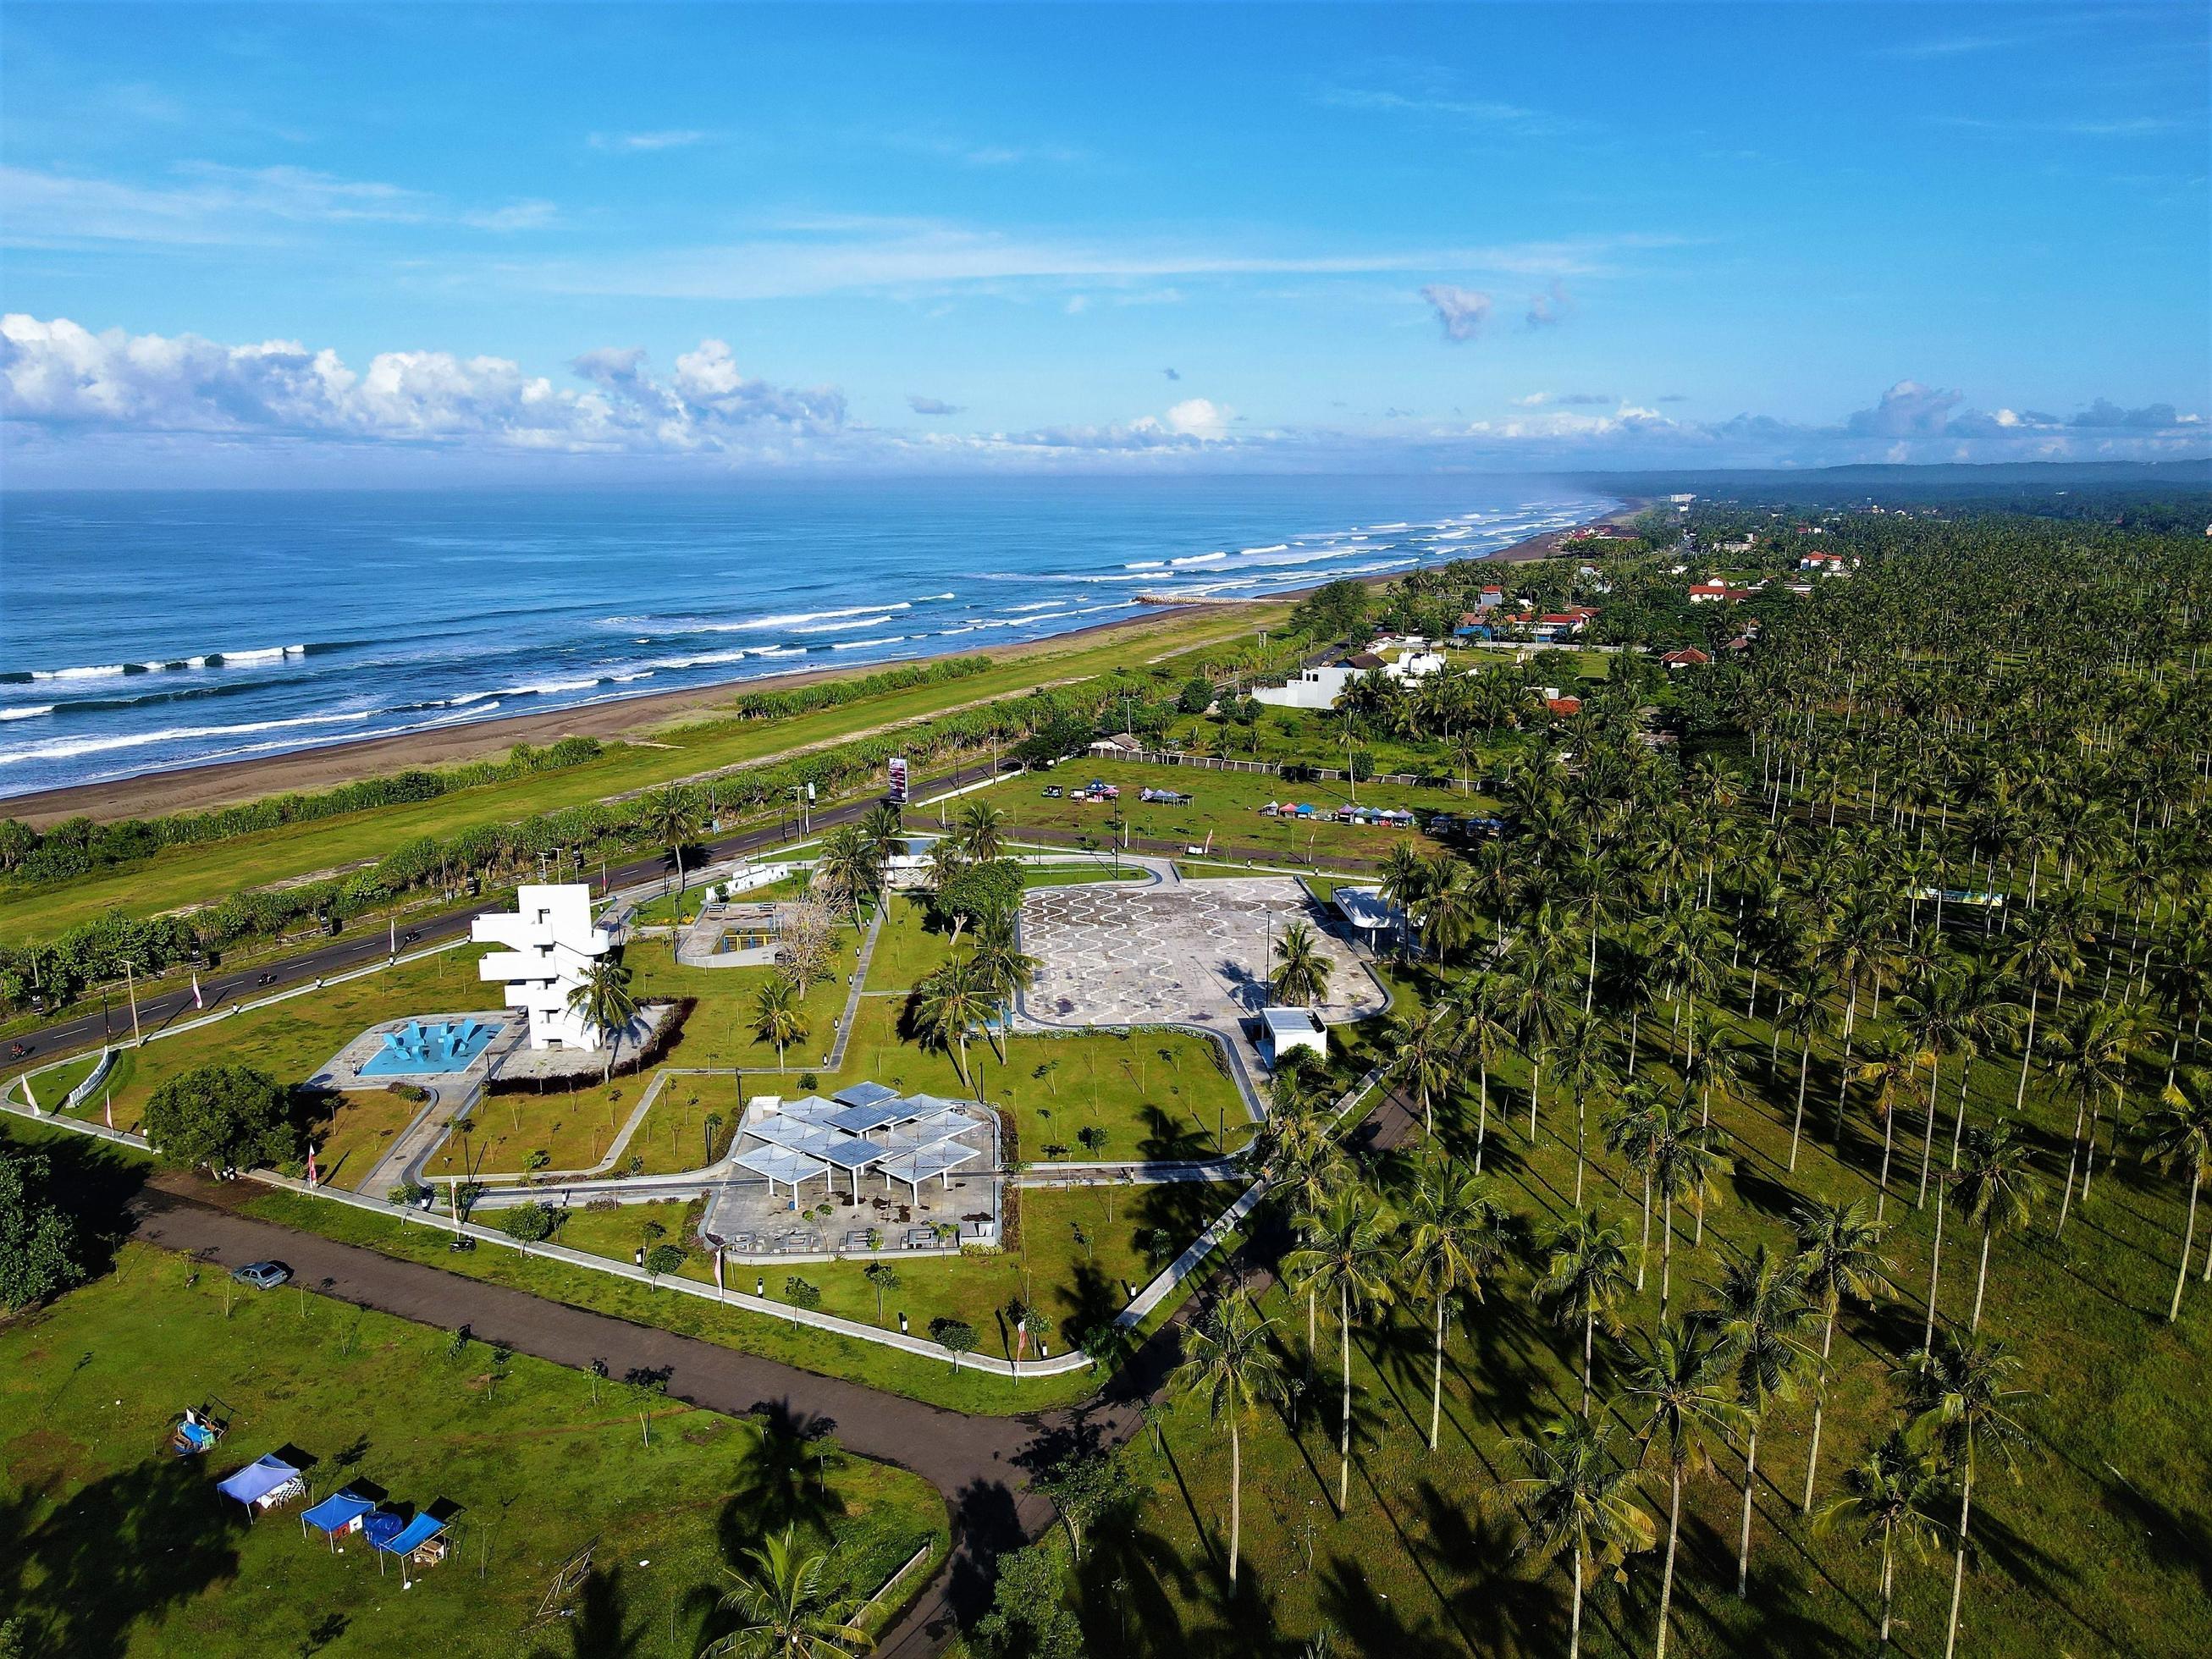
(1054, 792)
(262, 1275)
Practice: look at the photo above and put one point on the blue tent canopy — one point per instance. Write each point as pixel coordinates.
(336, 1512)
(258, 1479)
(412, 1536)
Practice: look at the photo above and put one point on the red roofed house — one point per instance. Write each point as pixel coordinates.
(1713, 593)
(1688, 657)
(1564, 705)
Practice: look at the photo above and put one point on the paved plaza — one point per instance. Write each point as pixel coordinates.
(1193, 952)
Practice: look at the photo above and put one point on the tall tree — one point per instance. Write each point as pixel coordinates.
(1997, 1188)
(1585, 1276)
(1963, 1396)
(2179, 1130)
(1459, 1235)
(1349, 1259)
(671, 816)
(1839, 1259)
(1228, 1365)
(1302, 968)
(1677, 1381)
(776, 1015)
(1889, 1498)
(1574, 1504)
(603, 999)
(1758, 1312)
(982, 831)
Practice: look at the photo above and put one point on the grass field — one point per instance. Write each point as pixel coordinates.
(189, 875)
(2099, 1547)
(1226, 803)
(111, 1547)
(1079, 1253)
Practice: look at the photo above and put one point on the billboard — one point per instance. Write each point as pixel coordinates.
(899, 780)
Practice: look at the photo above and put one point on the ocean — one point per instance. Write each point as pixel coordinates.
(143, 631)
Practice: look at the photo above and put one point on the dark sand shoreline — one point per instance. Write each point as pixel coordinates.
(306, 771)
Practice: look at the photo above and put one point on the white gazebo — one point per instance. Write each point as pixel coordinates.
(551, 944)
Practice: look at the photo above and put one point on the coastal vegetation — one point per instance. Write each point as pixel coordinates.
(1839, 1068)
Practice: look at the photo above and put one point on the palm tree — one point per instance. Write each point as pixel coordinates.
(2179, 1130)
(1538, 1012)
(603, 1001)
(1686, 1162)
(1804, 1011)
(2093, 1059)
(1961, 1394)
(1302, 971)
(1760, 1313)
(1889, 1498)
(1853, 948)
(1839, 1258)
(1483, 1036)
(983, 830)
(777, 1017)
(848, 866)
(1229, 1364)
(949, 1004)
(1676, 1379)
(1631, 1132)
(1997, 1189)
(1459, 1235)
(1406, 879)
(672, 817)
(1893, 1066)
(2045, 952)
(1349, 1256)
(1584, 1064)
(1573, 1501)
(1424, 1054)
(885, 834)
(1932, 1013)
(787, 1607)
(1584, 1280)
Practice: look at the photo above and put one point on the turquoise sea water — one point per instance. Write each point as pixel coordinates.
(146, 631)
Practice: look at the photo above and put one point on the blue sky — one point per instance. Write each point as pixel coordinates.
(329, 244)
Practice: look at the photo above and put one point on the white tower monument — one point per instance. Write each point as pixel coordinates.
(550, 946)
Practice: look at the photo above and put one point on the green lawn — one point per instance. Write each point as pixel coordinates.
(291, 1039)
(113, 1547)
(189, 875)
(1078, 1253)
(2099, 1549)
(1224, 803)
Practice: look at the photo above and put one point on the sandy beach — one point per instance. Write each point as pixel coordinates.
(196, 789)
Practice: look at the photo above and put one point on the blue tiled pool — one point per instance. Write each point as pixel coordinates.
(420, 1046)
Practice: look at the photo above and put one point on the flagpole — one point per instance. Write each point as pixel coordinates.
(131, 979)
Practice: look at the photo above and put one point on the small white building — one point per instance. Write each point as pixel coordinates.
(551, 944)
(1315, 688)
(1283, 1031)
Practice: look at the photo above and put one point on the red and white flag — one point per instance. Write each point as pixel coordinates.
(197, 1001)
(108, 1107)
(312, 1182)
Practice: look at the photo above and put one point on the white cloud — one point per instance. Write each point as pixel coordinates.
(57, 375)
(214, 204)
(633, 144)
(1907, 410)
(922, 406)
(1549, 308)
(1461, 312)
(1198, 417)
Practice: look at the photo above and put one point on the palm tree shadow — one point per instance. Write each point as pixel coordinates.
(1495, 1608)
(784, 1479)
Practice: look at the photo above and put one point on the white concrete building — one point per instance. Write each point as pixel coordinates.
(1286, 1030)
(1315, 688)
(550, 945)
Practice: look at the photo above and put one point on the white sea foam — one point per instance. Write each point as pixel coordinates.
(1212, 558)
(99, 671)
(854, 644)
(1272, 547)
(65, 748)
(1144, 564)
(260, 653)
(868, 619)
(1041, 605)
(25, 714)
